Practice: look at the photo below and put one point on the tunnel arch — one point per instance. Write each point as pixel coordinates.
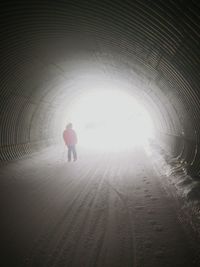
(154, 44)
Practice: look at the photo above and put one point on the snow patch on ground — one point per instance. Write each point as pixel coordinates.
(186, 188)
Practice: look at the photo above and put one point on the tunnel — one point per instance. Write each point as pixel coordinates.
(53, 53)
(45, 50)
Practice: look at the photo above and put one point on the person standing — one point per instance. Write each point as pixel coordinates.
(70, 139)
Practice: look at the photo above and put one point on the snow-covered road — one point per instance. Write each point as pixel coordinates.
(104, 210)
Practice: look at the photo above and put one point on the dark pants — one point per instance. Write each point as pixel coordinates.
(72, 150)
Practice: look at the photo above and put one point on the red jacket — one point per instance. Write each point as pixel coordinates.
(70, 137)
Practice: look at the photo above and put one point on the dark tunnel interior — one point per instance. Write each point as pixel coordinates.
(53, 52)
(47, 47)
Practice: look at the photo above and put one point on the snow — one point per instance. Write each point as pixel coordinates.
(186, 188)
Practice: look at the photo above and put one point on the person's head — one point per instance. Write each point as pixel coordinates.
(69, 126)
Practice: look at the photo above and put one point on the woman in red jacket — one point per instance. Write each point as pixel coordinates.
(70, 138)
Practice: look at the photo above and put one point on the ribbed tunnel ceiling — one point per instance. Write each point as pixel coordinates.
(151, 47)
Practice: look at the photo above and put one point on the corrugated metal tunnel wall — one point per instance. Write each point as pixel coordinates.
(44, 47)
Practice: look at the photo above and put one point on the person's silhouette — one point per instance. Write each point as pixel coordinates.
(70, 138)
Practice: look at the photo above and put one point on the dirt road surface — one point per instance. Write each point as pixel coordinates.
(103, 210)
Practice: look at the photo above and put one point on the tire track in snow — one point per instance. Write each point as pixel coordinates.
(49, 249)
(45, 241)
(131, 224)
(78, 230)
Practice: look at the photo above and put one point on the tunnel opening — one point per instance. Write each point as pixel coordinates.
(107, 118)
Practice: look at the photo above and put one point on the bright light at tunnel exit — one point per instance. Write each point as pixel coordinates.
(110, 120)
